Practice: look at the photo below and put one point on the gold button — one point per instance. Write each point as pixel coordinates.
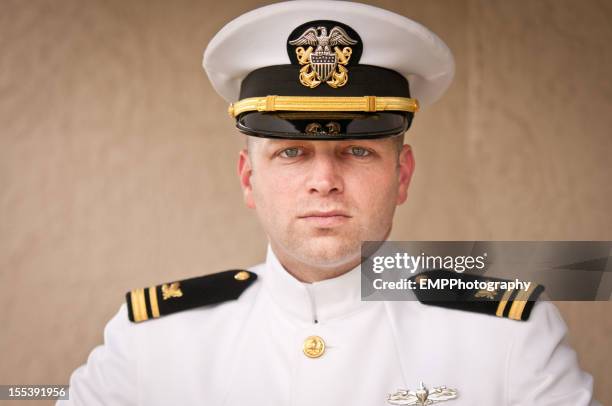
(421, 278)
(242, 276)
(314, 347)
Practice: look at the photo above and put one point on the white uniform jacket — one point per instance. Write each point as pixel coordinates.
(249, 351)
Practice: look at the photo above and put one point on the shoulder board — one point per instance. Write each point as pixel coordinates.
(480, 294)
(161, 300)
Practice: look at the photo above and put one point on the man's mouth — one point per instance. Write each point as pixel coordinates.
(324, 219)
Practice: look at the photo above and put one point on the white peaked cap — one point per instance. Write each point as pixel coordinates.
(259, 38)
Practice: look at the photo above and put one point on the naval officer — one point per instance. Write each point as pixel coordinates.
(325, 92)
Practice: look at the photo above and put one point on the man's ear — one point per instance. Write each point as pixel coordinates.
(406, 168)
(245, 170)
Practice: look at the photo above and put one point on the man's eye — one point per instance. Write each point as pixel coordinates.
(359, 151)
(291, 153)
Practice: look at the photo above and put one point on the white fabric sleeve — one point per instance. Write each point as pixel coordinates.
(109, 376)
(543, 369)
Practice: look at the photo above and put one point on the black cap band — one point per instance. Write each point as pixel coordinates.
(366, 80)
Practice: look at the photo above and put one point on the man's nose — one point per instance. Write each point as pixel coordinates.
(325, 177)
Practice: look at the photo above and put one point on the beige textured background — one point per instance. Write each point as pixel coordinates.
(117, 160)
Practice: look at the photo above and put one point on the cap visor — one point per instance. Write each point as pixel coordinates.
(324, 125)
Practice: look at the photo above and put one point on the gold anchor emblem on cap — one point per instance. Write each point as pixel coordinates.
(422, 396)
(320, 63)
(314, 347)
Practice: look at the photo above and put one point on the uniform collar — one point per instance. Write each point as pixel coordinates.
(317, 301)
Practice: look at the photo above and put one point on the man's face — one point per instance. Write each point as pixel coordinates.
(318, 200)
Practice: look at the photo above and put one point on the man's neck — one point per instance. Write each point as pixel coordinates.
(311, 273)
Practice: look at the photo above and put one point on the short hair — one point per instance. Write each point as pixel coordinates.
(398, 141)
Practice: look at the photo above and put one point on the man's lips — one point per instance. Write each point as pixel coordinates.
(326, 218)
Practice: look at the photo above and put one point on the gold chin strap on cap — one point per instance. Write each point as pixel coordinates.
(315, 103)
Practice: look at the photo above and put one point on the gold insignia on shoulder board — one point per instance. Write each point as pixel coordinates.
(488, 294)
(321, 63)
(172, 290)
(422, 396)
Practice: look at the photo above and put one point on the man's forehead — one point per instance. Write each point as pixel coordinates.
(271, 143)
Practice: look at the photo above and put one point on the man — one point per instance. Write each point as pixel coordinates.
(325, 92)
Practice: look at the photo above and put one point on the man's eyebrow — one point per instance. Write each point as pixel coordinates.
(266, 146)
(272, 144)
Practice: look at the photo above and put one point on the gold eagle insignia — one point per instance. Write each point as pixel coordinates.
(319, 62)
(172, 290)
